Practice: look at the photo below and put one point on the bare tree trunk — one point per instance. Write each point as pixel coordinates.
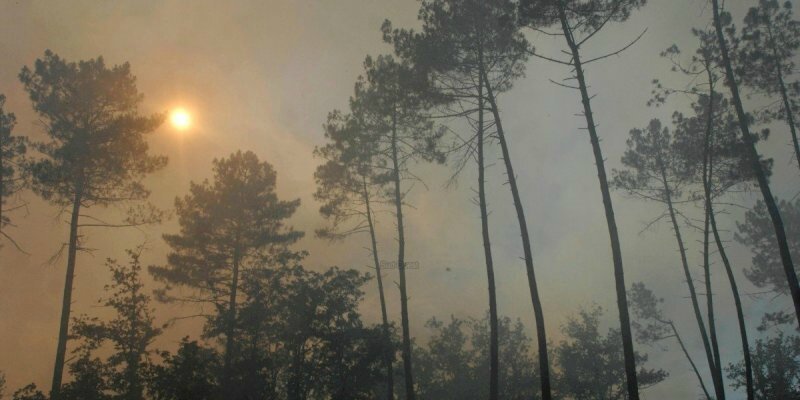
(688, 357)
(389, 358)
(712, 363)
(708, 158)
(401, 248)
(763, 183)
(616, 251)
(66, 303)
(712, 325)
(230, 330)
(494, 347)
(541, 334)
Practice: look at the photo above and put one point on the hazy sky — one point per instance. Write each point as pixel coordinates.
(262, 76)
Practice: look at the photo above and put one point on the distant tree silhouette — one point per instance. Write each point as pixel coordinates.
(766, 50)
(346, 187)
(651, 326)
(12, 180)
(579, 21)
(776, 362)
(756, 232)
(722, 22)
(590, 363)
(474, 50)
(96, 154)
(393, 96)
(228, 227)
(454, 363)
(189, 374)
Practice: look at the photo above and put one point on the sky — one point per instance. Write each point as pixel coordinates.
(262, 76)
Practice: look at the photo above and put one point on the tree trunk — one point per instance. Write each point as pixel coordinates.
(619, 272)
(541, 334)
(712, 363)
(763, 183)
(401, 248)
(389, 358)
(712, 325)
(494, 347)
(230, 330)
(708, 157)
(66, 303)
(688, 357)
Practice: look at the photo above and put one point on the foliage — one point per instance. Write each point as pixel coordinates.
(776, 366)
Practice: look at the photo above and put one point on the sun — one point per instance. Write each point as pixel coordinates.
(180, 119)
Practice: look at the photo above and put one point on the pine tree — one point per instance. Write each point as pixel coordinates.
(12, 180)
(96, 154)
(229, 227)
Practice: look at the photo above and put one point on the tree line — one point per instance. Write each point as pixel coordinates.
(275, 329)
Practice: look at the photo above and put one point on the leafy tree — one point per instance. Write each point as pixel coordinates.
(756, 232)
(12, 151)
(96, 154)
(130, 333)
(721, 22)
(579, 21)
(768, 44)
(589, 363)
(189, 374)
(454, 361)
(228, 228)
(29, 392)
(469, 47)
(776, 362)
(346, 187)
(392, 96)
(651, 326)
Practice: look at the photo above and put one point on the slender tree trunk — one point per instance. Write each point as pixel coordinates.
(401, 267)
(712, 363)
(712, 324)
(763, 183)
(728, 270)
(230, 329)
(688, 357)
(66, 303)
(135, 390)
(494, 347)
(616, 251)
(541, 333)
(389, 358)
(787, 105)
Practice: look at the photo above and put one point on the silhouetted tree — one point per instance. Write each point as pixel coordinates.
(581, 20)
(653, 172)
(392, 96)
(96, 154)
(768, 44)
(455, 360)
(12, 151)
(721, 21)
(756, 232)
(590, 363)
(189, 374)
(470, 46)
(346, 187)
(130, 333)
(228, 228)
(776, 362)
(651, 326)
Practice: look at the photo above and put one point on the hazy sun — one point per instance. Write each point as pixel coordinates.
(180, 119)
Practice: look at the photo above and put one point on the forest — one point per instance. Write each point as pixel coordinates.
(432, 241)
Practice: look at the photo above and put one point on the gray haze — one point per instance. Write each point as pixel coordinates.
(262, 75)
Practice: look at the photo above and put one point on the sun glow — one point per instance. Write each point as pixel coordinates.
(180, 119)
